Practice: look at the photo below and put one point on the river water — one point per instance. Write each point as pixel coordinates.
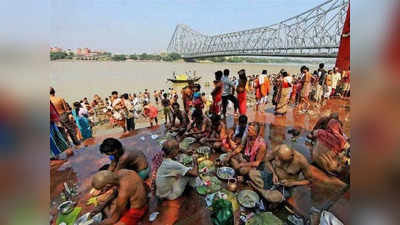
(74, 80)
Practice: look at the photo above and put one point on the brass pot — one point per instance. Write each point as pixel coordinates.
(232, 185)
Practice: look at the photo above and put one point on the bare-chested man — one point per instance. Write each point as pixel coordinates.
(200, 126)
(182, 117)
(122, 159)
(187, 95)
(59, 103)
(129, 205)
(67, 126)
(285, 166)
(218, 135)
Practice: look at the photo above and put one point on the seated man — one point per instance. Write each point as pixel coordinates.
(217, 135)
(322, 123)
(172, 176)
(254, 151)
(120, 159)
(329, 151)
(181, 116)
(129, 205)
(200, 126)
(285, 166)
(240, 132)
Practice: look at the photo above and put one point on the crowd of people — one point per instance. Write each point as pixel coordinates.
(270, 171)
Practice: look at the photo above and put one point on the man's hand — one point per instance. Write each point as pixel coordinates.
(287, 183)
(330, 163)
(275, 179)
(195, 157)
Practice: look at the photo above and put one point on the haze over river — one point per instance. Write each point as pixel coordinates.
(74, 80)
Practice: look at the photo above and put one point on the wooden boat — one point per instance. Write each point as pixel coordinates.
(184, 81)
(183, 78)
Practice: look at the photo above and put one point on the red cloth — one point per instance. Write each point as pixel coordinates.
(285, 84)
(242, 102)
(54, 117)
(252, 151)
(151, 111)
(258, 89)
(343, 57)
(133, 216)
(333, 136)
(217, 100)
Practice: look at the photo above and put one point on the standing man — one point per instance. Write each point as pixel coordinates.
(346, 83)
(265, 86)
(321, 78)
(336, 77)
(65, 119)
(129, 113)
(328, 85)
(217, 93)
(227, 93)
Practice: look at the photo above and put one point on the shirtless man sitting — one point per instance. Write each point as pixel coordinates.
(122, 159)
(181, 116)
(285, 166)
(200, 126)
(218, 136)
(129, 204)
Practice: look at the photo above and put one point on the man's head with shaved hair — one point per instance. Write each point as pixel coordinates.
(104, 179)
(170, 148)
(285, 153)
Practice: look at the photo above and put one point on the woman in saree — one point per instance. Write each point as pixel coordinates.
(241, 92)
(81, 120)
(57, 142)
(285, 84)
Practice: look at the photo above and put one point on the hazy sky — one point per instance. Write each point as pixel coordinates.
(130, 26)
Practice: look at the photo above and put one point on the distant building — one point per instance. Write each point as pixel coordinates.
(85, 51)
(79, 51)
(55, 49)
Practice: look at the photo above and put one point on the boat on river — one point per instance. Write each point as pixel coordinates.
(183, 78)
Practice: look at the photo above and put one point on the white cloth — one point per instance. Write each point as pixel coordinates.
(328, 218)
(335, 78)
(288, 79)
(171, 180)
(117, 113)
(83, 112)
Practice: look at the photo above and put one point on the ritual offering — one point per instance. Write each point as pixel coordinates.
(184, 145)
(66, 207)
(211, 184)
(248, 198)
(265, 218)
(204, 150)
(223, 156)
(185, 159)
(206, 167)
(225, 173)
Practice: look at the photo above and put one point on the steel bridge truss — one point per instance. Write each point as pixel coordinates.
(314, 33)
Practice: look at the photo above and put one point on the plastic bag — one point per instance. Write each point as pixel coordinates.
(328, 218)
(222, 212)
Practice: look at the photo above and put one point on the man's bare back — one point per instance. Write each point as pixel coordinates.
(132, 186)
(59, 104)
(290, 171)
(132, 160)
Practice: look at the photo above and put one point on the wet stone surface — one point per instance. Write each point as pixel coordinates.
(77, 170)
